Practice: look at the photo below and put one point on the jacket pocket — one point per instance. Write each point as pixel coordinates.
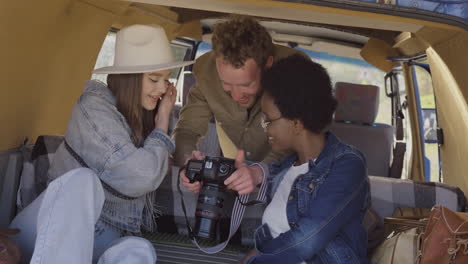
(262, 235)
(306, 190)
(338, 252)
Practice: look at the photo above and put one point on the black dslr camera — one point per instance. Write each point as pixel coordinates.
(213, 171)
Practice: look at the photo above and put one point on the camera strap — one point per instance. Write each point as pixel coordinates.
(236, 216)
(106, 186)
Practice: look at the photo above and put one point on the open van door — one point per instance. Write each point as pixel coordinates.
(49, 49)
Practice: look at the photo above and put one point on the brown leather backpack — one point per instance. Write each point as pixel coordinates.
(445, 239)
(9, 252)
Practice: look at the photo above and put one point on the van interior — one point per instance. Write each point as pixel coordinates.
(399, 75)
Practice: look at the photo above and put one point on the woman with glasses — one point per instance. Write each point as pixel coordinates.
(317, 197)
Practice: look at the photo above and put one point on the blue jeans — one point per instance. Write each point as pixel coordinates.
(60, 226)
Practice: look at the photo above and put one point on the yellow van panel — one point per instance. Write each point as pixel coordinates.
(449, 61)
(49, 49)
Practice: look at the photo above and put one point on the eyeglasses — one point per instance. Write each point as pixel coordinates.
(265, 122)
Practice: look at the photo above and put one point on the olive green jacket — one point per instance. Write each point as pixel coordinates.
(207, 100)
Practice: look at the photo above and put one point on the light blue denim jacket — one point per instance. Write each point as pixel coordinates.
(100, 135)
(325, 210)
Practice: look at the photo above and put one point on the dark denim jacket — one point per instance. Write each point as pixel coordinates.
(325, 210)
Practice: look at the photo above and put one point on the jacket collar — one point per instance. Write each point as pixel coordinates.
(99, 88)
(323, 161)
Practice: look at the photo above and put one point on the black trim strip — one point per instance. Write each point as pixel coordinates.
(388, 9)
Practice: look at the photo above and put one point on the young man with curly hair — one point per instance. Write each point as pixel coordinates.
(228, 90)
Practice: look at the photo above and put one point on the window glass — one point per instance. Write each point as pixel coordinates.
(407, 135)
(203, 48)
(426, 92)
(106, 56)
(344, 69)
(428, 122)
(179, 54)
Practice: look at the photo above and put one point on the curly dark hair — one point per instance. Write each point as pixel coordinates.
(302, 90)
(240, 38)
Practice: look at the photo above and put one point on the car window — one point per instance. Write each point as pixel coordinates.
(344, 69)
(428, 123)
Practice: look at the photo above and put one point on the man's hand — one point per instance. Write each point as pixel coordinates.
(196, 186)
(245, 178)
(252, 253)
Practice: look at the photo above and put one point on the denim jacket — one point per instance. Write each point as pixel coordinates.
(325, 210)
(100, 135)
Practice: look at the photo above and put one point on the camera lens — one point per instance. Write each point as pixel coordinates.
(209, 210)
(223, 169)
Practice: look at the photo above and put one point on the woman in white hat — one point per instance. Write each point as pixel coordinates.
(114, 156)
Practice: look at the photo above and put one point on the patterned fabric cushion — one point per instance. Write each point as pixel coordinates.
(357, 103)
(388, 194)
(36, 161)
(11, 162)
(366, 138)
(375, 229)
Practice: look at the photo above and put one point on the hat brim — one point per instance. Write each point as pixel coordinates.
(142, 68)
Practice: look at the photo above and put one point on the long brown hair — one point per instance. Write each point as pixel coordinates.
(127, 91)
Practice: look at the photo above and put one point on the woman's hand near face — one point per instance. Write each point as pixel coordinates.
(168, 99)
(167, 102)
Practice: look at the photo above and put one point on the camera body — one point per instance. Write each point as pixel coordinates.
(210, 170)
(213, 171)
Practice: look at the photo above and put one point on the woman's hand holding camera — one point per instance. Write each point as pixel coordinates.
(196, 186)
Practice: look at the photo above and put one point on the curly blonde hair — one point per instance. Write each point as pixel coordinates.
(241, 38)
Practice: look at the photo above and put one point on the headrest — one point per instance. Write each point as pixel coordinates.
(357, 103)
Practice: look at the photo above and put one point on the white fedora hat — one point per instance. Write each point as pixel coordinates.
(142, 48)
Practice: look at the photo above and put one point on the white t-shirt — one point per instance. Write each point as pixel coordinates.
(275, 213)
